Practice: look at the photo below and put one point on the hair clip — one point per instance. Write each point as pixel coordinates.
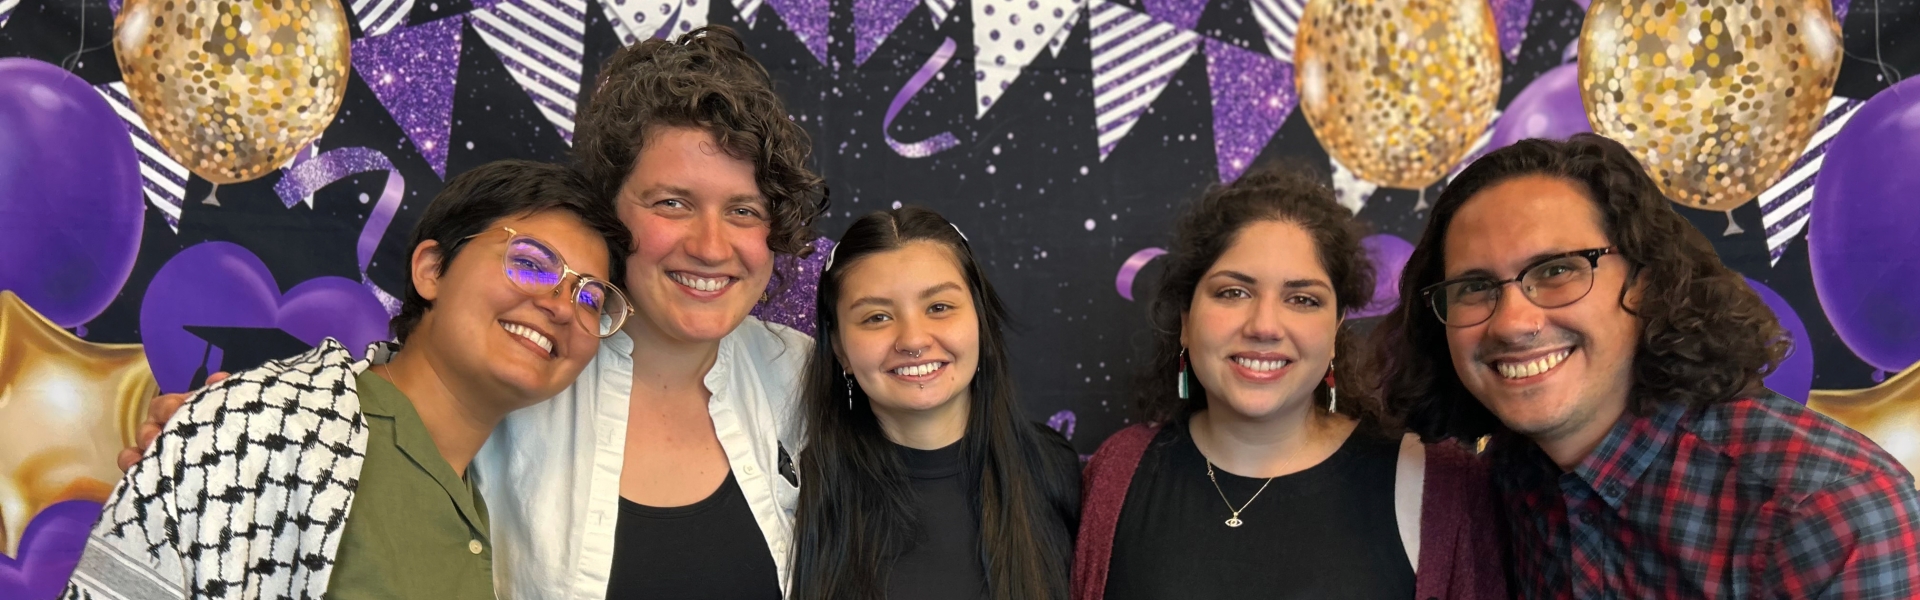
(830, 252)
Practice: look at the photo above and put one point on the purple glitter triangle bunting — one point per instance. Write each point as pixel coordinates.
(1181, 13)
(1252, 95)
(411, 71)
(1510, 18)
(873, 21)
(808, 20)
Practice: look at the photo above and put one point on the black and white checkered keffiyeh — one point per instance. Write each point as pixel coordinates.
(244, 494)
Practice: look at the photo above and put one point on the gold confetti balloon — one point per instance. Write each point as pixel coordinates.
(233, 88)
(1398, 90)
(1717, 98)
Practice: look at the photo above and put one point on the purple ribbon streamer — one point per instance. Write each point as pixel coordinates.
(933, 145)
(1063, 422)
(1131, 269)
(310, 175)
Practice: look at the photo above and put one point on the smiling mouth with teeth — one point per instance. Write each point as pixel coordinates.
(918, 370)
(1522, 370)
(1261, 366)
(704, 284)
(538, 339)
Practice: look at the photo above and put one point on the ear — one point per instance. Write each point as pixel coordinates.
(840, 351)
(425, 269)
(1636, 288)
(1183, 329)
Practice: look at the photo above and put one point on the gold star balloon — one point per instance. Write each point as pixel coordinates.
(67, 407)
(1398, 90)
(1888, 413)
(1716, 98)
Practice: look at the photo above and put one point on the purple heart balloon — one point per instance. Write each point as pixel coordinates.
(49, 549)
(1794, 378)
(1549, 108)
(70, 207)
(224, 285)
(1389, 254)
(1864, 221)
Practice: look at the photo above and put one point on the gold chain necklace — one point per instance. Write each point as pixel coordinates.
(1233, 521)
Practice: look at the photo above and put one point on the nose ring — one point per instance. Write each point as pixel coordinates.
(914, 353)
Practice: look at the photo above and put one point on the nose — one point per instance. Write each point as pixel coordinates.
(1263, 325)
(557, 305)
(914, 338)
(1515, 318)
(707, 242)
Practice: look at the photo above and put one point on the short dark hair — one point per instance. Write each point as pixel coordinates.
(1707, 337)
(704, 80)
(1207, 228)
(473, 201)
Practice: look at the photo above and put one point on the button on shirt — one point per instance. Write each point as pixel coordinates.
(1754, 498)
(415, 528)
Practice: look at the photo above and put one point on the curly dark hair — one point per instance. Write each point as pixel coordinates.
(473, 201)
(1207, 228)
(703, 80)
(1706, 337)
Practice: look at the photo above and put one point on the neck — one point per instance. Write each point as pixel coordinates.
(1289, 441)
(930, 429)
(1568, 449)
(458, 418)
(666, 369)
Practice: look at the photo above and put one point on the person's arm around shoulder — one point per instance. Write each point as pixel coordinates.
(1856, 537)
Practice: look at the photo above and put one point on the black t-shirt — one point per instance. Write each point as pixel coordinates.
(1329, 531)
(709, 549)
(945, 561)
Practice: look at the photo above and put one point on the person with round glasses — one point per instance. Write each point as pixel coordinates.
(1558, 304)
(325, 476)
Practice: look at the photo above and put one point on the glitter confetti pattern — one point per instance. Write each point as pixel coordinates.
(411, 71)
(795, 285)
(162, 179)
(1252, 96)
(1719, 118)
(1510, 16)
(1134, 56)
(540, 43)
(873, 21)
(808, 20)
(1180, 13)
(232, 89)
(1398, 90)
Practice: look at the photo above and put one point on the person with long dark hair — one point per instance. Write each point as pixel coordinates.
(920, 478)
(1265, 466)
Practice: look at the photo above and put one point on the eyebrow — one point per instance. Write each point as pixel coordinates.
(674, 190)
(1292, 284)
(928, 293)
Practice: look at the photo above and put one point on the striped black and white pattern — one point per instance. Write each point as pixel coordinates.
(1279, 21)
(377, 17)
(1134, 57)
(540, 43)
(162, 178)
(6, 10)
(939, 8)
(1784, 206)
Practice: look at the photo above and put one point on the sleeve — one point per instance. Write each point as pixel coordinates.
(133, 551)
(1857, 538)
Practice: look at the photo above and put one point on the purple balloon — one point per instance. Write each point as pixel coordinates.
(49, 549)
(1794, 378)
(1389, 255)
(70, 206)
(1864, 223)
(1549, 108)
(220, 284)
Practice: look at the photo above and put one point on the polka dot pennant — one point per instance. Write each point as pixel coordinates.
(1007, 35)
(635, 20)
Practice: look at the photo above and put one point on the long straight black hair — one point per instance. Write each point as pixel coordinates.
(856, 512)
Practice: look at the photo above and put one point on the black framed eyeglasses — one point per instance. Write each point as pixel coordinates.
(535, 268)
(1551, 282)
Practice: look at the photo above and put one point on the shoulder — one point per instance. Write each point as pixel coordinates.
(776, 351)
(1778, 444)
(1123, 449)
(320, 380)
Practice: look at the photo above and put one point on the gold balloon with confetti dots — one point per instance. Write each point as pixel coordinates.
(1716, 98)
(233, 88)
(67, 407)
(1398, 90)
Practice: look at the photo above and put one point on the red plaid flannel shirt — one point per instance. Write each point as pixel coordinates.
(1755, 498)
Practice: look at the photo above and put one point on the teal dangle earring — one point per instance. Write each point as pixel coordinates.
(1184, 394)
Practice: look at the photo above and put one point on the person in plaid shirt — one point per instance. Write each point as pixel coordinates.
(1634, 449)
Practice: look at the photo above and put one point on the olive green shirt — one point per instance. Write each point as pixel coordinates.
(416, 529)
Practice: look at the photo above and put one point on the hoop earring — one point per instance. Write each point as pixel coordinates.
(1184, 393)
(1333, 394)
(849, 378)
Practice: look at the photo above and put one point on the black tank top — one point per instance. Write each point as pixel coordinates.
(709, 549)
(1329, 531)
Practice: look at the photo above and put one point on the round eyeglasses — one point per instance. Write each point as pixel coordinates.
(535, 269)
(1551, 282)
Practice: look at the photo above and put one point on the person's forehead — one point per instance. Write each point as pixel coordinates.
(1508, 224)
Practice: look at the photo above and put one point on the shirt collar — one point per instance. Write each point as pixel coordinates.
(1628, 450)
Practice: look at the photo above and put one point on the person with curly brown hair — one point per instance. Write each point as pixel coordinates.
(1634, 448)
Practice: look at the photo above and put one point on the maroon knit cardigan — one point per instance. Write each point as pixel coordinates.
(1459, 553)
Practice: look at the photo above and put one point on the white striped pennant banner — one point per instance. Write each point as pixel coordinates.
(1785, 206)
(162, 179)
(1279, 22)
(540, 41)
(377, 17)
(1134, 58)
